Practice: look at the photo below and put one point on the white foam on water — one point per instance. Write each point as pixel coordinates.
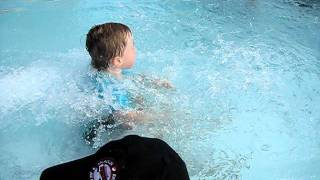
(246, 77)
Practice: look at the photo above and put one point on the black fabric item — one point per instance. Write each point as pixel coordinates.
(137, 158)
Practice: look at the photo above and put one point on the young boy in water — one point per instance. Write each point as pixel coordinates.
(112, 50)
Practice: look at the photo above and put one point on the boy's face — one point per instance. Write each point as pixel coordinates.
(129, 54)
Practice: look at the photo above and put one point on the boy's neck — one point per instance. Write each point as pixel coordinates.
(116, 72)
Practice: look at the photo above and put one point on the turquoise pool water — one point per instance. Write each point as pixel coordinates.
(246, 73)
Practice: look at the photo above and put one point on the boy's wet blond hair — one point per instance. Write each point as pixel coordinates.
(105, 42)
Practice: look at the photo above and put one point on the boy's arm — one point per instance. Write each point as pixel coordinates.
(154, 83)
(129, 117)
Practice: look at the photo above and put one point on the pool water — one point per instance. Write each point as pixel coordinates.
(246, 76)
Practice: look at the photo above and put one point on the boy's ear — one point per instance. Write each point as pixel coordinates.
(117, 61)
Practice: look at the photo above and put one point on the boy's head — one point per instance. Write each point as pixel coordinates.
(111, 45)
